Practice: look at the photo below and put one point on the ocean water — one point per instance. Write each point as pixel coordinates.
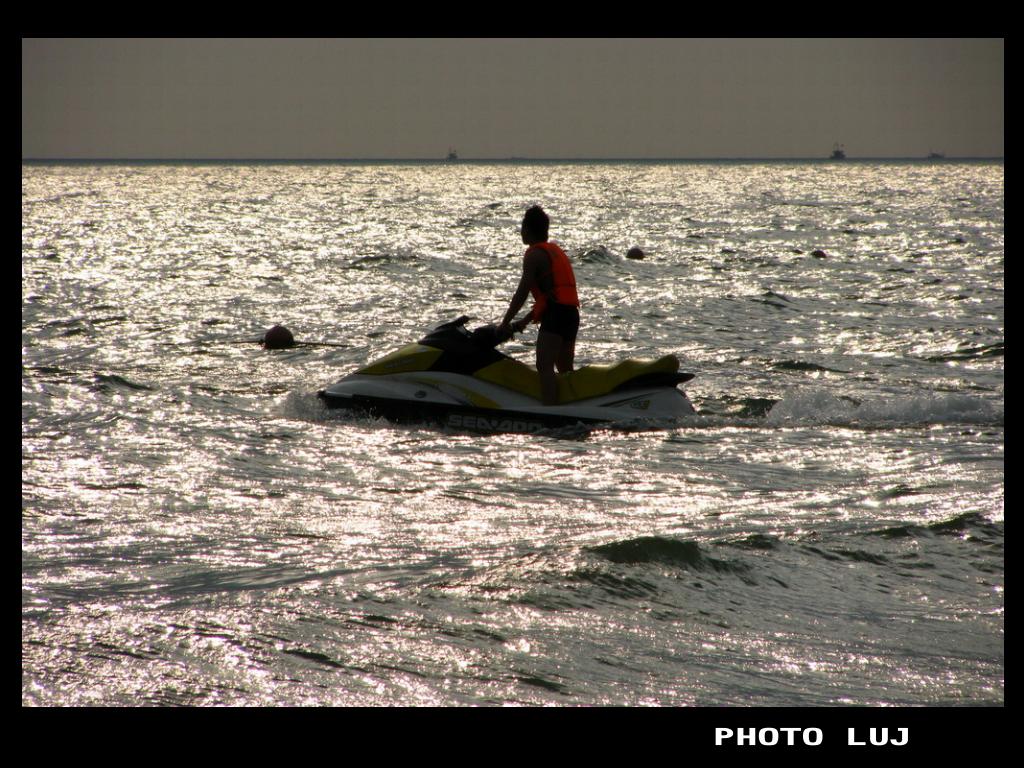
(827, 530)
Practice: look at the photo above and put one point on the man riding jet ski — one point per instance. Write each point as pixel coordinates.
(548, 275)
(458, 378)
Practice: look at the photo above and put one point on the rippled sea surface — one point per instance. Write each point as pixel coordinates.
(827, 530)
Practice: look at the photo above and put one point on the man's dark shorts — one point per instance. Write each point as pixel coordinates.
(562, 320)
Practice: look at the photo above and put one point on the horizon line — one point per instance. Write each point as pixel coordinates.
(512, 159)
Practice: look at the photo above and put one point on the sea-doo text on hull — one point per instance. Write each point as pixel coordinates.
(458, 378)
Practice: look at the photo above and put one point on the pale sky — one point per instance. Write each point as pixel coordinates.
(499, 98)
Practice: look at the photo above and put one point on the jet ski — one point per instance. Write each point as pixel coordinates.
(458, 378)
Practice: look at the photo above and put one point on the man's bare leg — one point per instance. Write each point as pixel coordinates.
(549, 347)
(566, 357)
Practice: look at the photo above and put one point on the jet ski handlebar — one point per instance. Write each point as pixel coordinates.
(490, 336)
(456, 323)
(484, 337)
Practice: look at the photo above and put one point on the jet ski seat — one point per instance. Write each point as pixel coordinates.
(588, 381)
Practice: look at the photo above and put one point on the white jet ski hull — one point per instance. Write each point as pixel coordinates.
(463, 402)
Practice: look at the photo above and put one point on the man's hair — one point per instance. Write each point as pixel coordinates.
(536, 221)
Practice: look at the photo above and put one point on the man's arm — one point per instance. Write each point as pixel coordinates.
(533, 261)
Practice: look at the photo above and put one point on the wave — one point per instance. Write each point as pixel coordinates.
(383, 260)
(597, 255)
(970, 353)
(820, 407)
(776, 300)
(62, 197)
(970, 526)
(107, 383)
(665, 551)
(802, 366)
(635, 568)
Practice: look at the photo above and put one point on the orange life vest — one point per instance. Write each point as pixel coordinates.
(563, 281)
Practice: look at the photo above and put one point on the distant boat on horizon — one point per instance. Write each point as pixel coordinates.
(838, 153)
(452, 154)
(936, 156)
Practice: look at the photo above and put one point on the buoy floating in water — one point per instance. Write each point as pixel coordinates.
(278, 337)
(634, 253)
